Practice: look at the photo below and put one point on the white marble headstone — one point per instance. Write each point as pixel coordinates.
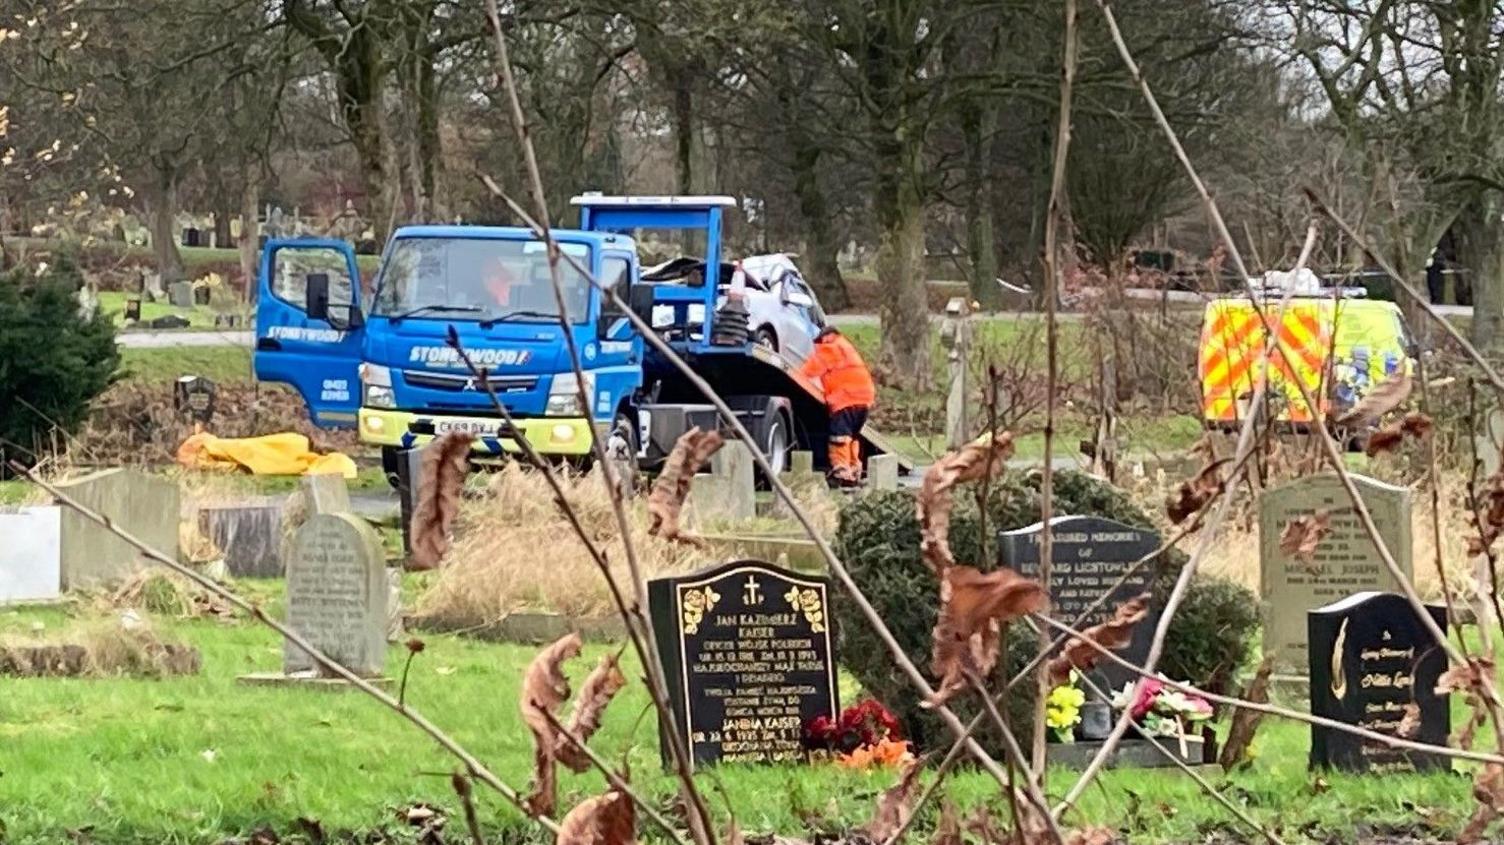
(31, 553)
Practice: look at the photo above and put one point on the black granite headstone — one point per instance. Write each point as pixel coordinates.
(1371, 657)
(133, 309)
(194, 396)
(749, 656)
(1088, 556)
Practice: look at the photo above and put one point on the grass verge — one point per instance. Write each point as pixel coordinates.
(199, 759)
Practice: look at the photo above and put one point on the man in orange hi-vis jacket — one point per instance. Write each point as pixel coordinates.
(849, 394)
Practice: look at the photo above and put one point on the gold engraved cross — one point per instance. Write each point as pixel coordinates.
(752, 594)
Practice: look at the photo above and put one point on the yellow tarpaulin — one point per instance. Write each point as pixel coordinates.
(271, 454)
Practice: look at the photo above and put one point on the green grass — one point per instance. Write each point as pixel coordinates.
(220, 363)
(198, 316)
(130, 760)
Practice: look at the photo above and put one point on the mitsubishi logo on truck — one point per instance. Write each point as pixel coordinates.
(444, 356)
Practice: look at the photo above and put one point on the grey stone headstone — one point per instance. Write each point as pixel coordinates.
(882, 472)
(1089, 555)
(145, 506)
(802, 480)
(180, 294)
(151, 286)
(249, 535)
(801, 461)
(1490, 443)
(710, 500)
(1345, 562)
(326, 493)
(733, 463)
(31, 554)
(337, 594)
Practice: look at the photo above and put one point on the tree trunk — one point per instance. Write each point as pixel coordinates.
(684, 131)
(978, 126)
(249, 245)
(162, 205)
(1480, 251)
(821, 238)
(904, 310)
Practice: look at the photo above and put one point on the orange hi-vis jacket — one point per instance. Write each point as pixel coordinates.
(842, 375)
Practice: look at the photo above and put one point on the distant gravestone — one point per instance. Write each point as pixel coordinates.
(802, 479)
(249, 534)
(146, 506)
(1089, 555)
(1371, 659)
(151, 286)
(193, 396)
(409, 476)
(337, 594)
(882, 472)
(180, 294)
(325, 493)
(1345, 561)
(733, 462)
(750, 659)
(133, 309)
(31, 554)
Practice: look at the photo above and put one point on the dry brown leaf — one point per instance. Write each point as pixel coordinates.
(1488, 790)
(1193, 495)
(666, 502)
(446, 462)
(896, 803)
(1410, 723)
(984, 457)
(1245, 722)
(948, 828)
(1114, 634)
(1386, 439)
(609, 819)
(973, 605)
(1303, 534)
(1417, 425)
(601, 685)
(1033, 827)
(544, 688)
(1388, 395)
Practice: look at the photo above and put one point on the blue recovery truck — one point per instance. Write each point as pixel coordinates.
(376, 359)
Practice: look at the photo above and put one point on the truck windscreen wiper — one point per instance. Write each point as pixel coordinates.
(512, 315)
(413, 312)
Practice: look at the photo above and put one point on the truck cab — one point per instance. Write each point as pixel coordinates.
(377, 358)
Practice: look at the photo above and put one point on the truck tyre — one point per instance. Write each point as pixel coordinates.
(777, 442)
(621, 451)
(389, 458)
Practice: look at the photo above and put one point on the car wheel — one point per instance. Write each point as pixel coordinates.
(766, 338)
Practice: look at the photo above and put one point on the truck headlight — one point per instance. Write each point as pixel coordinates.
(376, 375)
(377, 396)
(564, 397)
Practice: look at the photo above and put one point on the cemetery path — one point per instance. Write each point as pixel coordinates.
(170, 339)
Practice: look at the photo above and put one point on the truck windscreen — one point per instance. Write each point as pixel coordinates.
(479, 279)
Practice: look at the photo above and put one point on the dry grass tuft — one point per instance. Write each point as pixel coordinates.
(163, 592)
(128, 646)
(514, 550)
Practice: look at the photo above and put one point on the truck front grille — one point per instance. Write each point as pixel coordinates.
(456, 382)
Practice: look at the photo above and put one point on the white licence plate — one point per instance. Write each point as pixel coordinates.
(480, 427)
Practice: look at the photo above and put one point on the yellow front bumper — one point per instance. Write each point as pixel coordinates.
(550, 435)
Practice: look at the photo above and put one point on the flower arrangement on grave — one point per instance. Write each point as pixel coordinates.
(866, 734)
(1161, 711)
(1062, 711)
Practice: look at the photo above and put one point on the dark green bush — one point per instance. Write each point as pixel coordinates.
(51, 359)
(878, 539)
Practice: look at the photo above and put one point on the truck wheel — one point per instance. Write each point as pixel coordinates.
(389, 458)
(621, 451)
(777, 445)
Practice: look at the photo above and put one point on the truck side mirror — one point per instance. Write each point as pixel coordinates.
(641, 300)
(317, 295)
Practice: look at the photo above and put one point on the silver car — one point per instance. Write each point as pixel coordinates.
(782, 311)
